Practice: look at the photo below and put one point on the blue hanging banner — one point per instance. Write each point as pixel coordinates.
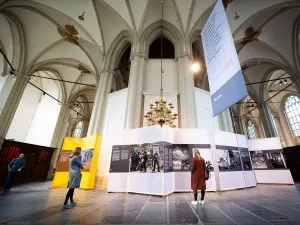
(226, 81)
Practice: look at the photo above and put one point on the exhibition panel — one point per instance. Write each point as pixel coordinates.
(156, 166)
(269, 162)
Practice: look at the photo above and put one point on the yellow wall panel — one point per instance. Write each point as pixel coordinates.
(88, 178)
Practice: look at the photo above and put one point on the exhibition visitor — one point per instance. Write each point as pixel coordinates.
(198, 177)
(75, 165)
(14, 167)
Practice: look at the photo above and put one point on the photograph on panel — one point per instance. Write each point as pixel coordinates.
(168, 157)
(275, 159)
(229, 160)
(206, 154)
(245, 155)
(181, 158)
(141, 158)
(86, 158)
(258, 160)
(157, 160)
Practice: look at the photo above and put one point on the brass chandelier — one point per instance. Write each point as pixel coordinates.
(160, 113)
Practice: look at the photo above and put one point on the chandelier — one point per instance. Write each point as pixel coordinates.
(160, 113)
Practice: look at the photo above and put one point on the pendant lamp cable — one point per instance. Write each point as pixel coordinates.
(161, 46)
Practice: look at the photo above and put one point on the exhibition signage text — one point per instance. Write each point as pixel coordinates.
(226, 81)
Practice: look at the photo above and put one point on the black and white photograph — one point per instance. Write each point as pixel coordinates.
(207, 156)
(245, 155)
(229, 160)
(157, 158)
(275, 160)
(258, 160)
(140, 158)
(181, 158)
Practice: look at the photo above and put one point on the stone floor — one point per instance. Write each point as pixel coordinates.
(38, 204)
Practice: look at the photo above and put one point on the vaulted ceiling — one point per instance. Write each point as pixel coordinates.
(29, 32)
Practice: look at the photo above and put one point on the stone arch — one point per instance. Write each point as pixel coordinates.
(116, 50)
(19, 41)
(169, 31)
(296, 44)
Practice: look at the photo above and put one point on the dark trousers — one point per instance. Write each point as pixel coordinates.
(9, 180)
(143, 166)
(196, 195)
(69, 195)
(155, 162)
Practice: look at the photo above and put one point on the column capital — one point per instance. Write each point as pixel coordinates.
(185, 54)
(107, 71)
(137, 54)
(24, 76)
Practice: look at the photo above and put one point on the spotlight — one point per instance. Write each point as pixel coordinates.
(237, 16)
(280, 83)
(195, 67)
(12, 73)
(81, 17)
(285, 81)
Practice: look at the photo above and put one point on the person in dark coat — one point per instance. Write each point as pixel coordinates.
(74, 177)
(155, 162)
(198, 177)
(144, 163)
(14, 167)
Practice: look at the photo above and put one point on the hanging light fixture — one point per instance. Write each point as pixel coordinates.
(161, 112)
(81, 17)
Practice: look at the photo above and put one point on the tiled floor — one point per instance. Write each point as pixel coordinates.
(38, 204)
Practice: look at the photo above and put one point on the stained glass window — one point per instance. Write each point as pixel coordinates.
(292, 112)
(78, 130)
(251, 130)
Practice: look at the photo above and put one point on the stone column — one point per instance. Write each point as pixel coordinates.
(10, 96)
(266, 119)
(225, 121)
(135, 93)
(59, 134)
(96, 121)
(188, 114)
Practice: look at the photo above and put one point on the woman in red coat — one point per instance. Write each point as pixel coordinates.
(198, 177)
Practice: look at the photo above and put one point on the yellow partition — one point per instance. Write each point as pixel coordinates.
(88, 177)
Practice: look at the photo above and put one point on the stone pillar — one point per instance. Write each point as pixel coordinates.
(266, 119)
(96, 121)
(188, 114)
(10, 96)
(225, 121)
(135, 93)
(59, 134)
(296, 81)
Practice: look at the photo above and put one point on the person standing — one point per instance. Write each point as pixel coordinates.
(75, 166)
(155, 162)
(144, 163)
(198, 177)
(14, 167)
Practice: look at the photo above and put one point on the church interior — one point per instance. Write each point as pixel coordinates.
(79, 68)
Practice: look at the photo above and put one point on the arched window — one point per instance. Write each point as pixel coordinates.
(78, 130)
(292, 112)
(168, 51)
(251, 130)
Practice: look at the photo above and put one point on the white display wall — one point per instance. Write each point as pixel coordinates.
(113, 123)
(268, 161)
(204, 110)
(169, 182)
(242, 178)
